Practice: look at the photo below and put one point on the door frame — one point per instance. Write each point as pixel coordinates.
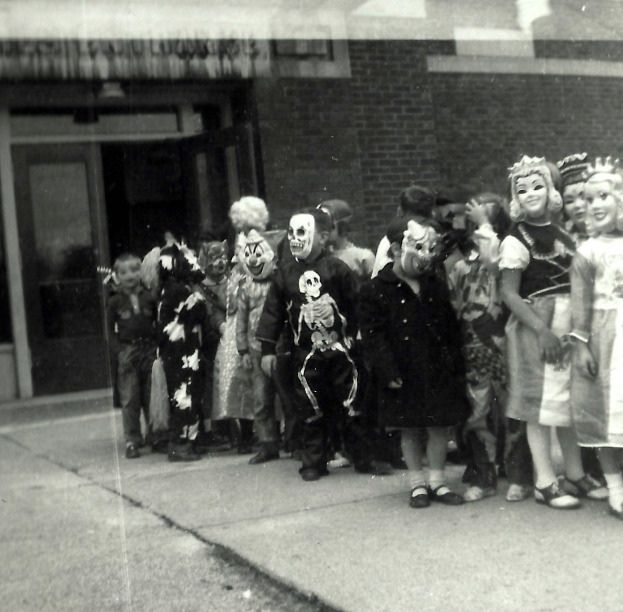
(183, 97)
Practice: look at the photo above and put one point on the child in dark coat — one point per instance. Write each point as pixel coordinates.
(412, 338)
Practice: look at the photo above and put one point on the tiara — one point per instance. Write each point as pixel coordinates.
(604, 166)
(527, 163)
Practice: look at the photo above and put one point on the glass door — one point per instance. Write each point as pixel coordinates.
(61, 220)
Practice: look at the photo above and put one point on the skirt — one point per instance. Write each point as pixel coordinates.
(597, 403)
(539, 392)
(232, 390)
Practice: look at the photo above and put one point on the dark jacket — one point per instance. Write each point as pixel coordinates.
(127, 326)
(417, 339)
(285, 301)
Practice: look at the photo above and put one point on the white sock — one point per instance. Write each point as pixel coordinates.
(416, 478)
(615, 490)
(436, 478)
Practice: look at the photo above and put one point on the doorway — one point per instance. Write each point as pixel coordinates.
(80, 205)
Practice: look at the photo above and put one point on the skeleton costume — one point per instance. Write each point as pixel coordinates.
(181, 316)
(316, 299)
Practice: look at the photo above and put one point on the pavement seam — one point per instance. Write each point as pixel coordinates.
(225, 553)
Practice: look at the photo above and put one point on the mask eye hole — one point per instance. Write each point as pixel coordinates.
(418, 247)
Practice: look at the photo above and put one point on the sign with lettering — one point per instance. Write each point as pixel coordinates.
(133, 59)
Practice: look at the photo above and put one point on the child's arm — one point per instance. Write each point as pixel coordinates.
(271, 324)
(374, 322)
(582, 284)
(242, 327)
(111, 322)
(549, 344)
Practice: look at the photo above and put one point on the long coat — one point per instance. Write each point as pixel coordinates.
(415, 338)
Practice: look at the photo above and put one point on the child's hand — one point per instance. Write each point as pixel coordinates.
(549, 347)
(246, 362)
(476, 213)
(585, 363)
(221, 328)
(269, 364)
(395, 384)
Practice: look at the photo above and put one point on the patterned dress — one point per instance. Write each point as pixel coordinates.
(597, 311)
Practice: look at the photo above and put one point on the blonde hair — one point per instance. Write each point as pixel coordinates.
(615, 180)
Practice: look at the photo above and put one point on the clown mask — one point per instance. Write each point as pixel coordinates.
(213, 259)
(258, 256)
(301, 234)
(418, 249)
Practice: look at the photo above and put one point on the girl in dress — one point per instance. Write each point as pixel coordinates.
(535, 259)
(597, 311)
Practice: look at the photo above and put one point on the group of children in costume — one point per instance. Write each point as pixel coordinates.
(496, 324)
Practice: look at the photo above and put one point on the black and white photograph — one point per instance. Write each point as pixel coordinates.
(311, 305)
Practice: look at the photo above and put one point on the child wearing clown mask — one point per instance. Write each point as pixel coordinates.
(314, 294)
(535, 259)
(259, 260)
(597, 307)
(412, 338)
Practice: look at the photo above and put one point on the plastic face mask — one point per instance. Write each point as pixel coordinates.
(301, 233)
(418, 249)
(258, 256)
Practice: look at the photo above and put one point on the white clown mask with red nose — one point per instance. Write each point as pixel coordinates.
(301, 233)
(419, 247)
(258, 256)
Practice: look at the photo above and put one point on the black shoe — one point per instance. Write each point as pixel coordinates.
(419, 497)
(245, 449)
(182, 452)
(445, 496)
(131, 451)
(310, 473)
(265, 454)
(213, 442)
(160, 446)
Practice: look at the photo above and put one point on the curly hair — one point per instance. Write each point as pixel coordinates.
(249, 212)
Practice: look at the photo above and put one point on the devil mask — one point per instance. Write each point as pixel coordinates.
(258, 256)
(301, 232)
(419, 247)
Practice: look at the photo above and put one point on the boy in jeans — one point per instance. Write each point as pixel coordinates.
(131, 324)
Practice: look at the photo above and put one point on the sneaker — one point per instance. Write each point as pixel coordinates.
(339, 462)
(587, 486)
(131, 451)
(476, 493)
(554, 497)
(518, 492)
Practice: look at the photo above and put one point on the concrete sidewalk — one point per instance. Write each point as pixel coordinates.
(351, 539)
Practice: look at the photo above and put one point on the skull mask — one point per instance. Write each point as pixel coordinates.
(310, 285)
(301, 235)
(418, 249)
(258, 256)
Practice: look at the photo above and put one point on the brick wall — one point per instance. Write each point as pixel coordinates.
(484, 122)
(362, 139)
(392, 108)
(308, 142)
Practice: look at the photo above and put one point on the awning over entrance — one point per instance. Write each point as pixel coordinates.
(133, 59)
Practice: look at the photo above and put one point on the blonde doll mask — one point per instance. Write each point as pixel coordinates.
(418, 249)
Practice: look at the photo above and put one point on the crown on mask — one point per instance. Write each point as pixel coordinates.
(604, 166)
(527, 165)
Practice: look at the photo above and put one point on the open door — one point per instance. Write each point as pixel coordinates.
(220, 167)
(61, 231)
